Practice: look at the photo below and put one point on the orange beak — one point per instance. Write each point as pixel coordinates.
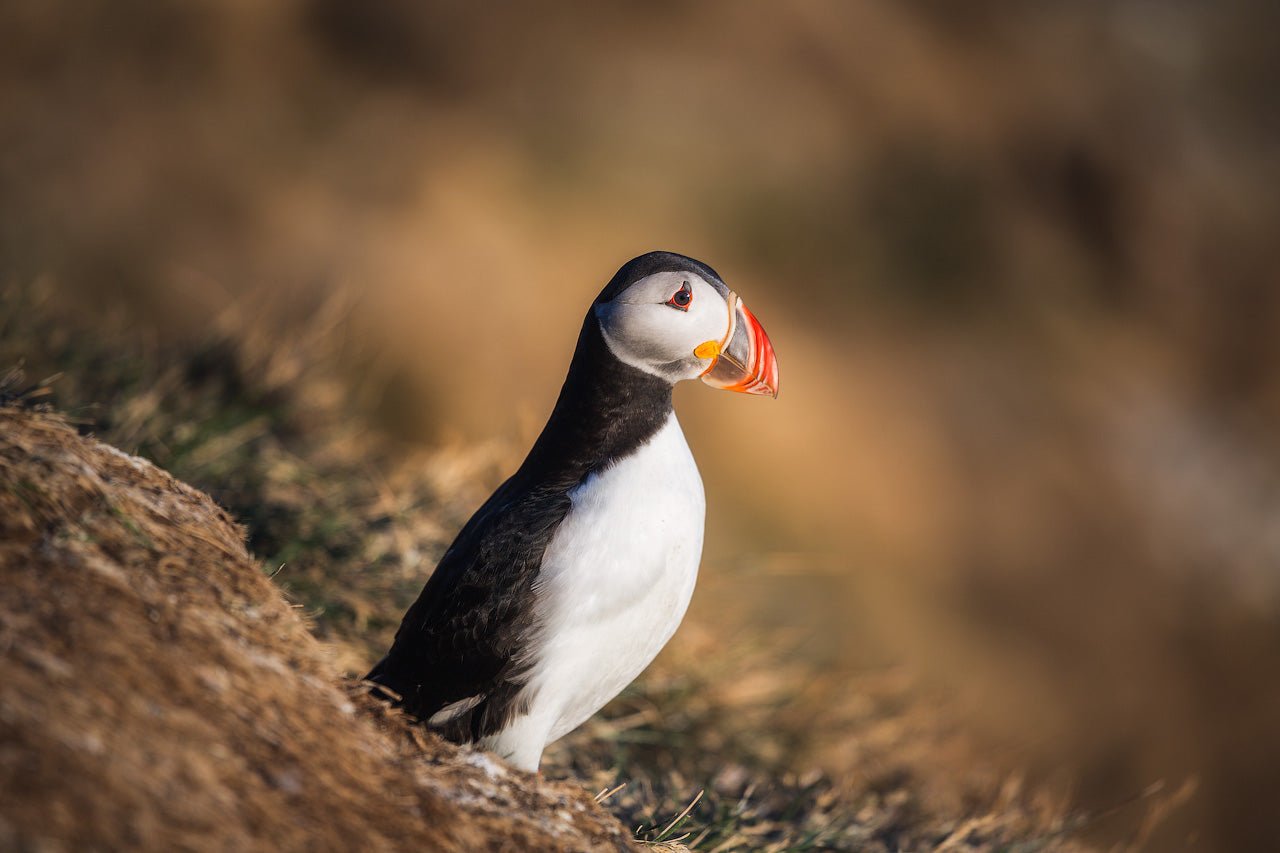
(743, 361)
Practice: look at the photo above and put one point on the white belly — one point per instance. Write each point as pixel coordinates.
(615, 582)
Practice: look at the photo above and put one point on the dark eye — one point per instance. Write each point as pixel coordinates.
(682, 298)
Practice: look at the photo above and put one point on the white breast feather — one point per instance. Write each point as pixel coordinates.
(615, 582)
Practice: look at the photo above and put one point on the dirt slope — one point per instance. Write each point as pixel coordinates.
(157, 692)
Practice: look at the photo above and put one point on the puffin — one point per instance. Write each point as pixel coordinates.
(573, 575)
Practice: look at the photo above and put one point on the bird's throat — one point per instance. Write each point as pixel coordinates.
(606, 410)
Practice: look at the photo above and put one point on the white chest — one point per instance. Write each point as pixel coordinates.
(616, 578)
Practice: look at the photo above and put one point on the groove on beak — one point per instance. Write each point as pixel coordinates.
(744, 359)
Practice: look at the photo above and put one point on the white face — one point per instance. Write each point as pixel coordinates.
(656, 324)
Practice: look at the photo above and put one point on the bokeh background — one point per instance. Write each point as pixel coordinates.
(1018, 261)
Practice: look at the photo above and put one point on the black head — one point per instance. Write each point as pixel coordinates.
(650, 263)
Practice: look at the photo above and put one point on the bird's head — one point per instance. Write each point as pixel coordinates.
(673, 317)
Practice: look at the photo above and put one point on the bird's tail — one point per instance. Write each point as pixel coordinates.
(379, 678)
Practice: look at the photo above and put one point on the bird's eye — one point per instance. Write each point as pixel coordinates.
(682, 298)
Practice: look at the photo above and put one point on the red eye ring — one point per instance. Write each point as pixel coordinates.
(682, 298)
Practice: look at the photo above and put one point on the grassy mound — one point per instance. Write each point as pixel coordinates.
(160, 693)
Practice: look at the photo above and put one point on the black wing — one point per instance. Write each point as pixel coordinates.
(460, 654)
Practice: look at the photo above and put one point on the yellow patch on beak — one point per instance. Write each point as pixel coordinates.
(707, 349)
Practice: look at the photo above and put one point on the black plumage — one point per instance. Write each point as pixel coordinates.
(467, 637)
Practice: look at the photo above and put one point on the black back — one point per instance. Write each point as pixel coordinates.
(468, 635)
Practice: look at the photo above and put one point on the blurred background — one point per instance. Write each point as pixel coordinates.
(1018, 262)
